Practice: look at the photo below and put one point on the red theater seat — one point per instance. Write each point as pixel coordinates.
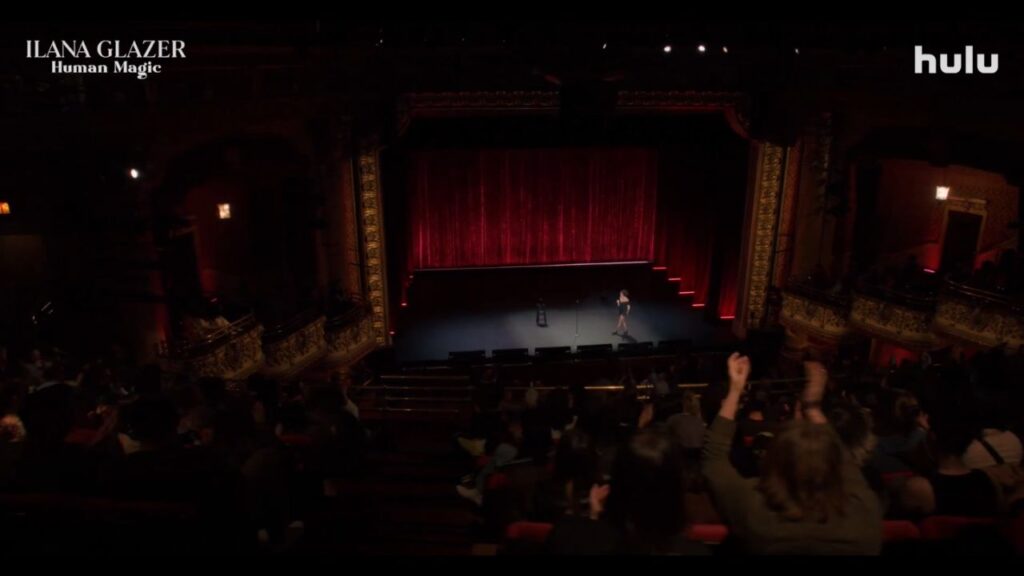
(80, 436)
(947, 527)
(899, 531)
(296, 440)
(529, 531)
(708, 533)
(497, 481)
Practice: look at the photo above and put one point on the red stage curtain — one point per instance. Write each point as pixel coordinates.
(496, 207)
(679, 208)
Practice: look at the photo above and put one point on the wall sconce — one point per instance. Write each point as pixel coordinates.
(5, 208)
(941, 192)
(224, 211)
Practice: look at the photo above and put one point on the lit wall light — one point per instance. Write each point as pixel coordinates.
(941, 192)
(134, 174)
(224, 211)
(5, 208)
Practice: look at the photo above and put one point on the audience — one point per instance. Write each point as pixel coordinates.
(614, 473)
(811, 497)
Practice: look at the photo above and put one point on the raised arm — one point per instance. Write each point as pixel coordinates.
(731, 490)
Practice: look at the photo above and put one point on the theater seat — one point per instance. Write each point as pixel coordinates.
(80, 436)
(707, 533)
(899, 531)
(496, 481)
(536, 532)
(947, 527)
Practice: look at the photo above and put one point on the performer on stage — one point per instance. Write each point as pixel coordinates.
(623, 304)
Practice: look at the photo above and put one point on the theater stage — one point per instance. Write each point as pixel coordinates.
(495, 308)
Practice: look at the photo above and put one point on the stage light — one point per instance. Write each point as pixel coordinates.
(702, 48)
(5, 208)
(675, 279)
(659, 268)
(929, 271)
(405, 304)
(796, 51)
(686, 292)
(667, 48)
(698, 305)
(604, 46)
(391, 333)
(727, 317)
(224, 211)
(725, 49)
(941, 192)
(134, 174)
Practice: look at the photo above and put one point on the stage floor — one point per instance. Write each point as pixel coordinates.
(451, 311)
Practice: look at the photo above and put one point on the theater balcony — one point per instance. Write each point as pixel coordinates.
(900, 312)
(979, 317)
(821, 314)
(295, 344)
(349, 334)
(232, 352)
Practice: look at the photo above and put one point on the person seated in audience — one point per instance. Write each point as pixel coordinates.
(854, 426)
(504, 454)
(689, 425)
(567, 491)
(906, 430)
(343, 383)
(811, 497)
(952, 489)
(995, 445)
(12, 431)
(6, 366)
(156, 467)
(642, 508)
(278, 489)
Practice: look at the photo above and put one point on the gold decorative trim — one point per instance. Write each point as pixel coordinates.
(237, 358)
(734, 104)
(814, 318)
(347, 343)
(372, 216)
(978, 323)
(770, 173)
(977, 206)
(427, 104)
(905, 326)
(297, 350)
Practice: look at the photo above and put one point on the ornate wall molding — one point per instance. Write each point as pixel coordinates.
(908, 327)
(347, 342)
(770, 174)
(441, 104)
(297, 350)
(818, 319)
(372, 227)
(735, 105)
(978, 322)
(977, 206)
(237, 357)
